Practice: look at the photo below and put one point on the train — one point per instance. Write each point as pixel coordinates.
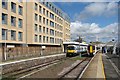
(83, 49)
(91, 50)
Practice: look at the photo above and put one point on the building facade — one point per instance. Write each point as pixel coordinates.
(32, 23)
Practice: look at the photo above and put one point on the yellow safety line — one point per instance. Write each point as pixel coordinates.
(103, 71)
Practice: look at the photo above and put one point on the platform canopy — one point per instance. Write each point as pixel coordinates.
(74, 43)
(71, 43)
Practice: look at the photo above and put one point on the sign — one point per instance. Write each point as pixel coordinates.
(10, 46)
(43, 47)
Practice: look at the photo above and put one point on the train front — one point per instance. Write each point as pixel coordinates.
(91, 50)
(71, 50)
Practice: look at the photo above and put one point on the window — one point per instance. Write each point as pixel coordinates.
(13, 7)
(43, 29)
(44, 39)
(43, 2)
(51, 15)
(44, 11)
(13, 35)
(20, 10)
(47, 21)
(20, 34)
(40, 38)
(51, 40)
(55, 33)
(40, 9)
(52, 8)
(61, 41)
(35, 27)
(40, 29)
(36, 38)
(13, 21)
(55, 25)
(40, 18)
(36, 6)
(20, 1)
(55, 40)
(4, 34)
(36, 17)
(55, 10)
(47, 39)
(4, 4)
(51, 23)
(20, 23)
(47, 30)
(51, 32)
(47, 4)
(4, 18)
(43, 20)
(55, 18)
(47, 14)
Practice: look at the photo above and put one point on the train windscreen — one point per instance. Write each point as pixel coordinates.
(70, 48)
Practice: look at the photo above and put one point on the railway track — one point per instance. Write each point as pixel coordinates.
(76, 70)
(19, 74)
(26, 72)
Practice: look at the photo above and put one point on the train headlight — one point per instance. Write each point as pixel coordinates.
(75, 51)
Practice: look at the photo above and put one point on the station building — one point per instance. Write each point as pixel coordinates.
(32, 24)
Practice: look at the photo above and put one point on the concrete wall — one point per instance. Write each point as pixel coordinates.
(27, 52)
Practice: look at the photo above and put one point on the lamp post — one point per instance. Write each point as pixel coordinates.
(5, 55)
(41, 49)
(5, 49)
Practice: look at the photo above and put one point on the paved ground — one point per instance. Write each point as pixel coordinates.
(109, 67)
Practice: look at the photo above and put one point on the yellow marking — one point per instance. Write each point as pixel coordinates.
(71, 51)
(91, 49)
(103, 68)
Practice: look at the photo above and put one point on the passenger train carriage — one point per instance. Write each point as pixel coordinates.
(73, 50)
(76, 48)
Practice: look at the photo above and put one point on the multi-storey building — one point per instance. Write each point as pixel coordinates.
(33, 23)
(12, 23)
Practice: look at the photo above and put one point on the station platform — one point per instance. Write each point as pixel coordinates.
(95, 69)
(111, 66)
(101, 67)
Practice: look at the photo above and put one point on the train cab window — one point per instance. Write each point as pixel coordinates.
(71, 48)
(77, 48)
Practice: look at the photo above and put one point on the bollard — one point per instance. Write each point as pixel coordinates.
(80, 54)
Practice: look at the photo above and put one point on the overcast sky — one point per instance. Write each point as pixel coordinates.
(92, 20)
